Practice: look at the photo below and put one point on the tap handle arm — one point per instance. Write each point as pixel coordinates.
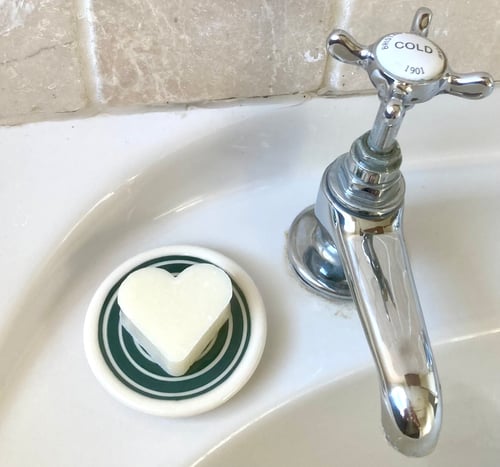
(469, 85)
(342, 46)
(421, 22)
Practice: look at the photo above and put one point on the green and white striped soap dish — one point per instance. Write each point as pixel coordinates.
(127, 371)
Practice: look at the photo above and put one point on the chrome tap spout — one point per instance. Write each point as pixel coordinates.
(357, 221)
(377, 269)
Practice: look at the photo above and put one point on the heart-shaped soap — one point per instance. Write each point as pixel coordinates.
(175, 317)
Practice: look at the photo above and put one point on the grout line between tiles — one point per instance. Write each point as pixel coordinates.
(87, 48)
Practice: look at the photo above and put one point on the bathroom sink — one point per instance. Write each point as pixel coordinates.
(76, 207)
(338, 424)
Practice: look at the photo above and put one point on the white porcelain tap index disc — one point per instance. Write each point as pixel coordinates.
(410, 57)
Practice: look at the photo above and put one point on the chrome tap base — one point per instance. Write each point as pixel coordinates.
(315, 258)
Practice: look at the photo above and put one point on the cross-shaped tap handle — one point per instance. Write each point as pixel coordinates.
(406, 69)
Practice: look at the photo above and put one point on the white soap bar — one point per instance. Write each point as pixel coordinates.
(174, 318)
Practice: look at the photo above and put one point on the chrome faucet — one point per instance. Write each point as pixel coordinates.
(350, 243)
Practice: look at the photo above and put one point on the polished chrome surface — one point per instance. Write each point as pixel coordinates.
(353, 238)
(378, 271)
(315, 258)
(421, 22)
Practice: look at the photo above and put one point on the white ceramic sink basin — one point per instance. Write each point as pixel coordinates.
(334, 425)
(83, 196)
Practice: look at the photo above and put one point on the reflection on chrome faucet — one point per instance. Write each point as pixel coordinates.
(378, 273)
(350, 243)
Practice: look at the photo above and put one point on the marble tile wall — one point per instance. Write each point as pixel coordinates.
(65, 57)
(153, 52)
(40, 74)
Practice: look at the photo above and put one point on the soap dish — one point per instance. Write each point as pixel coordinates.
(126, 370)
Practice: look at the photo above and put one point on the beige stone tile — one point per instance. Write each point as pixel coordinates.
(176, 51)
(468, 32)
(39, 65)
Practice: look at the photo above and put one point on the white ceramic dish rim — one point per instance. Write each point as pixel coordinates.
(203, 402)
